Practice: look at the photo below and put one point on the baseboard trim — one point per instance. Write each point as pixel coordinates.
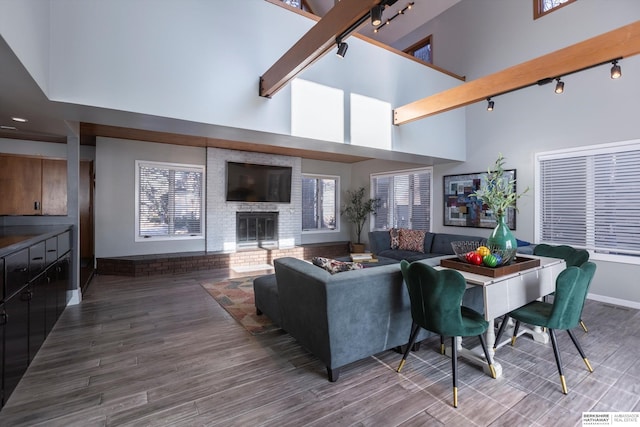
(614, 301)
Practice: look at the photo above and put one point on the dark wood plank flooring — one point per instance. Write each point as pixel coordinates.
(160, 351)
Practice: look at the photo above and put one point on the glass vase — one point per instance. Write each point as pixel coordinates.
(502, 237)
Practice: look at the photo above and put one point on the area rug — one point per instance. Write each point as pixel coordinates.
(236, 296)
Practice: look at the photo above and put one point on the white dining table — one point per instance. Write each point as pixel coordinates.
(506, 293)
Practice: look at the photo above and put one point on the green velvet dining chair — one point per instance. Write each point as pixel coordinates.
(572, 257)
(436, 305)
(404, 267)
(564, 313)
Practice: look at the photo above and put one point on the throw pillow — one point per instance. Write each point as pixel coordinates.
(411, 240)
(395, 238)
(334, 266)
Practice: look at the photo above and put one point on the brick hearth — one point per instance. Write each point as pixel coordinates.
(150, 265)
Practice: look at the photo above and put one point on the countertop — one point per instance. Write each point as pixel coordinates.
(14, 238)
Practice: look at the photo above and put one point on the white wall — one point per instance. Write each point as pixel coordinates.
(25, 27)
(476, 38)
(200, 60)
(114, 201)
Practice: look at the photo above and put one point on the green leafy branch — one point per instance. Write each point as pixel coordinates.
(498, 191)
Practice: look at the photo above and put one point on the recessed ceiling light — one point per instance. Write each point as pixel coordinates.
(8, 127)
(19, 119)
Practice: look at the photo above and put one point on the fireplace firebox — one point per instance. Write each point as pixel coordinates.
(256, 229)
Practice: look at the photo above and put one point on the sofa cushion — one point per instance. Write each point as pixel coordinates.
(411, 240)
(334, 266)
(394, 235)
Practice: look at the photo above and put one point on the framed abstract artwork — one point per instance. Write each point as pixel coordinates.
(463, 210)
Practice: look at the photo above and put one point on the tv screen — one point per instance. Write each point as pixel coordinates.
(247, 182)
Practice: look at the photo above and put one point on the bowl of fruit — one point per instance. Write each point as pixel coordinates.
(477, 253)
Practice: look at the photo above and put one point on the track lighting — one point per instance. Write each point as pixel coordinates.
(376, 15)
(342, 49)
(380, 24)
(559, 85)
(489, 104)
(616, 71)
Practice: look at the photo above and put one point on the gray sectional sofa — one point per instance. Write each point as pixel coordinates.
(435, 245)
(344, 317)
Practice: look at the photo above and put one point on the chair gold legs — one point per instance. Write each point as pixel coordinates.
(564, 384)
(584, 327)
(441, 344)
(455, 397)
(577, 344)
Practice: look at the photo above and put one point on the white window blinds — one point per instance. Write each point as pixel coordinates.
(319, 203)
(406, 200)
(589, 198)
(169, 200)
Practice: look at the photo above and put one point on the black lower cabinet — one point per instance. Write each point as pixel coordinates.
(37, 314)
(15, 315)
(34, 291)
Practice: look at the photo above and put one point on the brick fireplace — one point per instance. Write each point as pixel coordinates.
(222, 220)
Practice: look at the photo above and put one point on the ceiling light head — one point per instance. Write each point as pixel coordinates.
(616, 71)
(376, 15)
(489, 104)
(559, 85)
(342, 49)
(19, 119)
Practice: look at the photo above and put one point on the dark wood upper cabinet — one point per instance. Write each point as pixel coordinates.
(21, 183)
(33, 186)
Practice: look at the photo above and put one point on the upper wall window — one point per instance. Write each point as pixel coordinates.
(422, 50)
(543, 7)
(320, 202)
(169, 201)
(300, 4)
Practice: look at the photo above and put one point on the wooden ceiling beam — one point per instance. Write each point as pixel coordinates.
(314, 44)
(620, 43)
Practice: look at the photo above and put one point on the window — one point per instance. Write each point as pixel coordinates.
(588, 198)
(543, 7)
(168, 200)
(406, 199)
(299, 4)
(320, 202)
(422, 50)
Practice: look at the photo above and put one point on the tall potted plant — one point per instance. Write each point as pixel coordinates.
(498, 193)
(357, 209)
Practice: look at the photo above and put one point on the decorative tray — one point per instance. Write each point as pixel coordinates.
(519, 263)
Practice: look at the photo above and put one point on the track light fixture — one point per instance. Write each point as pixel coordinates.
(616, 71)
(376, 15)
(559, 85)
(380, 24)
(489, 104)
(342, 48)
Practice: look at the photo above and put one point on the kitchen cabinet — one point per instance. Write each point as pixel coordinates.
(35, 282)
(33, 186)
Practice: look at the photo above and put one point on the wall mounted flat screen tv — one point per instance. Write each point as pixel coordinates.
(248, 182)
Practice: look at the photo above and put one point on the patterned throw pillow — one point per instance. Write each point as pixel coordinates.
(334, 266)
(395, 238)
(411, 240)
